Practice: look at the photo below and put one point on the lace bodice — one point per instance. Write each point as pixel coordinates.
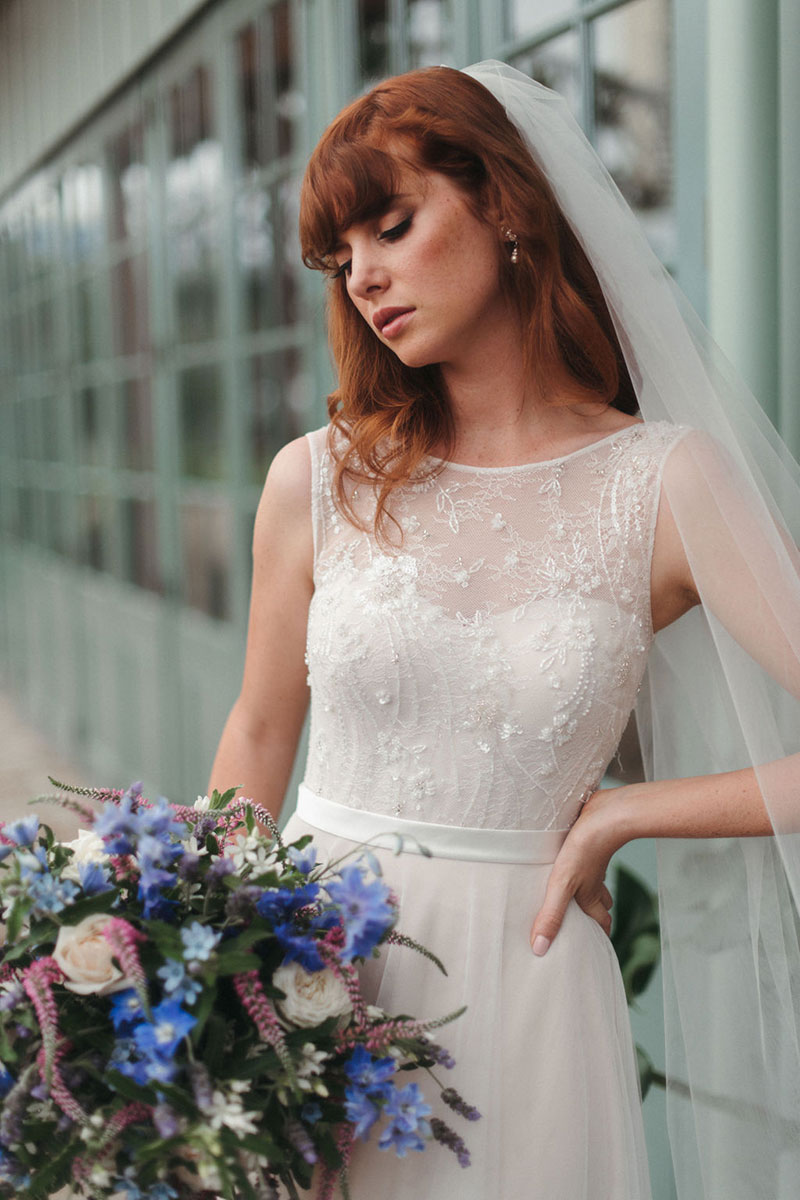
(481, 673)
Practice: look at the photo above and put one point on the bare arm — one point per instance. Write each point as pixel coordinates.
(729, 804)
(259, 741)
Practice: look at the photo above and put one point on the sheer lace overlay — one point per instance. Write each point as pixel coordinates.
(480, 674)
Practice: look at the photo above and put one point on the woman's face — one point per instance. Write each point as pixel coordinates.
(425, 274)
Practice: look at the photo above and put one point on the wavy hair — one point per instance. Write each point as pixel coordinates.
(391, 415)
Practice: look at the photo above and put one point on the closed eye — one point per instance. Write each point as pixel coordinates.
(388, 235)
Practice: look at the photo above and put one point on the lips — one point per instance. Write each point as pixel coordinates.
(384, 318)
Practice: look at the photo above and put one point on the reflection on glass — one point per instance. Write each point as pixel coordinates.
(257, 239)
(194, 257)
(96, 532)
(129, 305)
(428, 32)
(93, 434)
(54, 535)
(556, 64)
(26, 500)
(291, 265)
(45, 354)
(279, 399)
(269, 101)
(128, 183)
(139, 543)
(28, 429)
(83, 210)
(42, 229)
(85, 325)
(136, 452)
(526, 17)
(50, 426)
(373, 40)
(632, 112)
(206, 539)
(202, 453)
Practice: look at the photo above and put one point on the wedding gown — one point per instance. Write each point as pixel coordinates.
(470, 687)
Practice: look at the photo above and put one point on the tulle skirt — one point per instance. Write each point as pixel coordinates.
(544, 1050)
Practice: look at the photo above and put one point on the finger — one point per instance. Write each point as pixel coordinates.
(549, 918)
(606, 897)
(599, 913)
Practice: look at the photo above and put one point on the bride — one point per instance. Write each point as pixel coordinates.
(535, 466)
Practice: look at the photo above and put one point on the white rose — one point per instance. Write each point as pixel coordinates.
(85, 957)
(311, 997)
(87, 847)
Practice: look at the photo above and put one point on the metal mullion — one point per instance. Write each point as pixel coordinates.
(398, 37)
(513, 48)
(226, 78)
(588, 97)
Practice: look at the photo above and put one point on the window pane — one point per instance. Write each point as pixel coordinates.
(556, 64)
(373, 31)
(201, 417)
(633, 112)
(50, 418)
(96, 532)
(526, 17)
(206, 539)
(83, 209)
(128, 184)
(92, 428)
(279, 393)
(428, 32)
(129, 305)
(55, 538)
(136, 426)
(139, 534)
(257, 239)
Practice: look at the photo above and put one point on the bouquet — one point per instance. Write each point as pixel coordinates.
(180, 1008)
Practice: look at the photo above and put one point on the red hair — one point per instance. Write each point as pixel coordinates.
(393, 415)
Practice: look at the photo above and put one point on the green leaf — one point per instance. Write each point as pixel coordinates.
(124, 1086)
(222, 800)
(233, 962)
(635, 934)
(646, 1069)
(87, 908)
(16, 915)
(249, 819)
(203, 1011)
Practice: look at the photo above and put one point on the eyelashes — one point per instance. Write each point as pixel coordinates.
(388, 235)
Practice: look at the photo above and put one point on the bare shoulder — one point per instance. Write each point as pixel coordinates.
(283, 520)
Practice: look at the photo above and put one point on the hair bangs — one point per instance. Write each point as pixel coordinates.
(346, 182)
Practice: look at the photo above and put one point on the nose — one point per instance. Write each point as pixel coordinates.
(368, 276)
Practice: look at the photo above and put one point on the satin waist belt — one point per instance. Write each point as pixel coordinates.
(443, 841)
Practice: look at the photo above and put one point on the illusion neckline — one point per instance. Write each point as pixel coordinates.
(540, 462)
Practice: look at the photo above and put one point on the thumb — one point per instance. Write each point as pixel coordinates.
(548, 919)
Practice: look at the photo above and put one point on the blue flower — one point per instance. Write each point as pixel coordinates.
(365, 910)
(279, 904)
(169, 1025)
(7, 1080)
(304, 860)
(116, 825)
(199, 942)
(93, 878)
(50, 895)
(406, 1106)
(22, 831)
(126, 1010)
(5, 851)
(360, 1111)
(311, 1112)
(298, 947)
(32, 862)
(177, 983)
(158, 820)
(371, 1075)
(401, 1140)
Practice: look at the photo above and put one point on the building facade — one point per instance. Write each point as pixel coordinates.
(160, 340)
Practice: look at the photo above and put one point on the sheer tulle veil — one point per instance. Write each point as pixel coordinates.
(721, 692)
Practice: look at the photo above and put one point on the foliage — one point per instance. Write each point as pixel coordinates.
(180, 1008)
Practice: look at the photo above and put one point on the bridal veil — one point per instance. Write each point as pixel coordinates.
(722, 691)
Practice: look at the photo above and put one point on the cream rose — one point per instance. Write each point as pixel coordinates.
(85, 957)
(87, 847)
(310, 997)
